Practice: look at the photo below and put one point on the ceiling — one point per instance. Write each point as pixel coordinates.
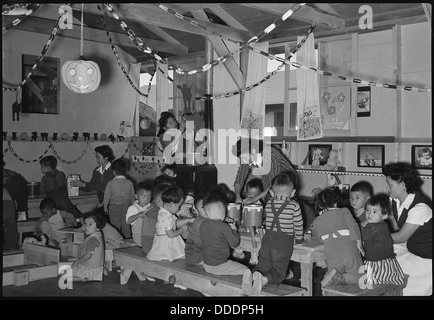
(173, 37)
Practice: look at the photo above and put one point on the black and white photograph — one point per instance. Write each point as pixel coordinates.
(370, 156)
(421, 156)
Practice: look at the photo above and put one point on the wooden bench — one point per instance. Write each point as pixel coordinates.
(109, 256)
(189, 275)
(353, 290)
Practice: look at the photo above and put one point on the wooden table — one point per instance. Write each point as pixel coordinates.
(308, 254)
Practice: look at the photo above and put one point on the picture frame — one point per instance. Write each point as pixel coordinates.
(364, 101)
(319, 154)
(421, 157)
(371, 156)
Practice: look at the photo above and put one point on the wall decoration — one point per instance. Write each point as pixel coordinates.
(421, 156)
(41, 93)
(319, 154)
(335, 105)
(370, 156)
(364, 101)
(147, 120)
(81, 76)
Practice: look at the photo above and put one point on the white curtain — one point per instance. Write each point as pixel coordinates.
(162, 89)
(308, 107)
(253, 113)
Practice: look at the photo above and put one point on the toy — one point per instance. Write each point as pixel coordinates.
(86, 136)
(64, 136)
(5, 135)
(74, 136)
(112, 137)
(34, 136)
(103, 136)
(44, 136)
(14, 136)
(16, 109)
(54, 136)
(332, 162)
(121, 138)
(95, 136)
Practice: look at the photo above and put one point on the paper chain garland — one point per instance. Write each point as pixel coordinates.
(17, 21)
(352, 173)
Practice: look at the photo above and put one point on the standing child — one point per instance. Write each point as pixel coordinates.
(138, 209)
(359, 193)
(254, 191)
(340, 233)
(53, 185)
(193, 245)
(217, 239)
(380, 262)
(90, 266)
(283, 223)
(118, 196)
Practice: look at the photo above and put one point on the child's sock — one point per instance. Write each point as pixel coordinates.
(246, 284)
(258, 282)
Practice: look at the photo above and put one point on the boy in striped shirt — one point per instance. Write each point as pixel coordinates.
(283, 223)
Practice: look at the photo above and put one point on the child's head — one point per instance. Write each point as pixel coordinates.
(157, 192)
(254, 187)
(48, 207)
(143, 193)
(378, 208)
(167, 121)
(215, 207)
(120, 167)
(326, 198)
(283, 185)
(164, 180)
(172, 199)
(223, 191)
(170, 170)
(426, 153)
(198, 205)
(48, 163)
(93, 221)
(359, 193)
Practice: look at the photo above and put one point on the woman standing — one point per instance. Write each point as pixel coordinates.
(412, 226)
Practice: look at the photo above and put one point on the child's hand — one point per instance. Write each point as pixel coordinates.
(360, 247)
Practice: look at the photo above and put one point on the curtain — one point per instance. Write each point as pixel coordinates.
(253, 111)
(308, 107)
(162, 89)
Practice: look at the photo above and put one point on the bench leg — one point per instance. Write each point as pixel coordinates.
(140, 275)
(125, 275)
(109, 265)
(252, 236)
(307, 277)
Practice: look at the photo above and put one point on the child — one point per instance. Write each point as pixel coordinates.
(217, 239)
(340, 233)
(193, 245)
(10, 229)
(359, 193)
(425, 158)
(283, 223)
(138, 209)
(90, 266)
(380, 262)
(118, 196)
(170, 170)
(51, 221)
(254, 189)
(169, 126)
(53, 185)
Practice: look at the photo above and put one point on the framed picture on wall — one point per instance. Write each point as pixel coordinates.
(319, 154)
(370, 156)
(364, 101)
(421, 156)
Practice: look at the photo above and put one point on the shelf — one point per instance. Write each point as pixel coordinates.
(352, 173)
(376, 139)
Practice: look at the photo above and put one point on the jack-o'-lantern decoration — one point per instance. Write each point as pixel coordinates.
(81, 76)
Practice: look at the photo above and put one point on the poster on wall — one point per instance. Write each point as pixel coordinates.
(335, 107)
(364, 101)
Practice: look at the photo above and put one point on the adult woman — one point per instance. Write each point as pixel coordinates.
(259, 161)
(412, 223)
(101, 175)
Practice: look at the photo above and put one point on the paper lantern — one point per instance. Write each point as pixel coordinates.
(81, 76)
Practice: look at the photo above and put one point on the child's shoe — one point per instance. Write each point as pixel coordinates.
(238, 255)
(180, 287)
(333, 277)
(246, 284)
(152, 279)
(258, 282)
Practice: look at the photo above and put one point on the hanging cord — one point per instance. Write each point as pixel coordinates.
(81, 33)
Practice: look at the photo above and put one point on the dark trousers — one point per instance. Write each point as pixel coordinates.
(10, 230)
(64, 203)
(117, 214)
(274, 255)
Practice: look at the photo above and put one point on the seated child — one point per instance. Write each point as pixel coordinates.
(90, 266)
(359, 193)
(283, 223)
(112, 237)
(52, 220)
(380, 262)
(340, 233)
(54, 185)
(217, 239)
(170, 170)
(193, 245)
(254, 189)
(138, 209)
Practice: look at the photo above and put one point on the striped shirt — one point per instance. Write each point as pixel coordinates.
(279, 163)
(290, 220)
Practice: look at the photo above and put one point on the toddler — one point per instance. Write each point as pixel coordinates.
(380, 262)
(253, 192)
(359, 193)
(283, 224)
(138, 209)
(193, 245)
(425, 158)
(90, 266)
(118, 196)
(340, 233)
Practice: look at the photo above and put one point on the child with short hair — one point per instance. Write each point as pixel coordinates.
(340, 233)
(218, 237)
(253, 191)
(118, 196)
(380, 263)
(283, 224)
(170, 170)
(138, 209)
(359, 193)
(53, 185)
(90, 266)
(51, 221)
(424, 158)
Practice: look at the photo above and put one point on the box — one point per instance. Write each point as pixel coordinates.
(70, 249)
(21, 278)
(73, 191)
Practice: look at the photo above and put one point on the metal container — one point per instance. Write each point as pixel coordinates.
(234, 211)
(33, 189)
(253, 215)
